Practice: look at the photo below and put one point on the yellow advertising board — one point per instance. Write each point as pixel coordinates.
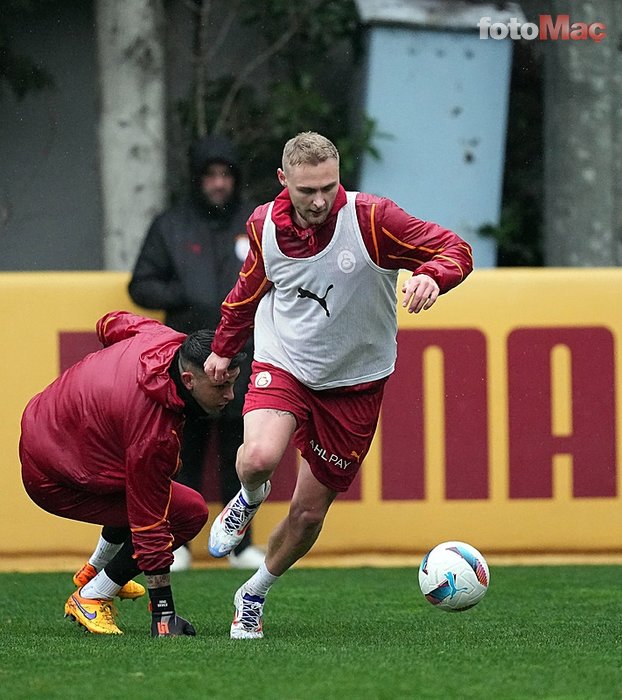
(499, 427)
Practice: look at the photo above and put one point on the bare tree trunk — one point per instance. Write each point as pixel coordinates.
(583, 141)
(131, 130)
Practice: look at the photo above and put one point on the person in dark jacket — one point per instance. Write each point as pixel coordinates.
(101, 445)
(190, 258)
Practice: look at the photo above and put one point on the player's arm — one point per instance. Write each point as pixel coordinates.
(395, 240)
(239, 307)
(216, 367)
(150, 464)
(419, 292)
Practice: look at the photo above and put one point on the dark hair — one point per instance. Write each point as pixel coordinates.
(197, 347)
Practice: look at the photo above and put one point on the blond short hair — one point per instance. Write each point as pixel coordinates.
(308, 148)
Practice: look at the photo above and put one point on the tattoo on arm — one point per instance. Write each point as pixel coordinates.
(278, 412)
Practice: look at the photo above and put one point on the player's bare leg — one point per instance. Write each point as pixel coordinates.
(266, 436)
(294, 536)
(290, 540)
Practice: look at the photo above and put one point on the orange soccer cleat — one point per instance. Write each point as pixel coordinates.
(96, 616)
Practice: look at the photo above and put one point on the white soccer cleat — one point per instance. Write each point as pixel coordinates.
(248, 620)
(229, 527)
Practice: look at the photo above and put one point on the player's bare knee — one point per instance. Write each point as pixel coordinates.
(256, 462)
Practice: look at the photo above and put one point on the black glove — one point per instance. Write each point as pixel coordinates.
(171, 625)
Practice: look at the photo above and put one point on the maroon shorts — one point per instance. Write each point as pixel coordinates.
(334, 428)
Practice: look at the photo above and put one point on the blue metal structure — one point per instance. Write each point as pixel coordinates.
(439, 96)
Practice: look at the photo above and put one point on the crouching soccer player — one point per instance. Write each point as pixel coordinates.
(101, 445)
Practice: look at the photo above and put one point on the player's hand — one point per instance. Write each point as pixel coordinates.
(216, 368)
(420, 292)
(171, 626)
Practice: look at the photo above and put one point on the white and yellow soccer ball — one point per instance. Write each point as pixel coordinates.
(454, 576)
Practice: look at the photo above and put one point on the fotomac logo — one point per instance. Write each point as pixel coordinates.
(548, 28)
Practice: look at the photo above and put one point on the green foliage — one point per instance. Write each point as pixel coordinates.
(320, 22)
(19, 73)
(298, 96)
(540, 632)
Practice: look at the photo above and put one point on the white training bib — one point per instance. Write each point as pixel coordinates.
(330, 320)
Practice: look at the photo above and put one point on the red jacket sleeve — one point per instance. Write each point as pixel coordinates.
(395, 240)
(151, 464)
(238, 309)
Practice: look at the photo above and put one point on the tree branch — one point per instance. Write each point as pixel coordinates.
(252, 65)
(223, 32)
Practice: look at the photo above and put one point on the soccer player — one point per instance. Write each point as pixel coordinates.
(319, 286)
(101, 445)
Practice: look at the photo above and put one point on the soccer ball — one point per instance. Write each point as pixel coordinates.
(454, 576)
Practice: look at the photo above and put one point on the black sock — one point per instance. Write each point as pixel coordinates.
(161, 600)
(115, 535)
(123, 567)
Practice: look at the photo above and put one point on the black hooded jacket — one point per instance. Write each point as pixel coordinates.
(188, 262)
(192, 253)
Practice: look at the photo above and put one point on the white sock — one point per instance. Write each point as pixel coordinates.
(103, 553)
(100, 586)
(255, 496)
(260, 581)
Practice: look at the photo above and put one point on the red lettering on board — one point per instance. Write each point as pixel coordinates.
(465, 412)
(592, 443)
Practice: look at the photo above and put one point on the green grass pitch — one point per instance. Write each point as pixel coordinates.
(540, 632)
